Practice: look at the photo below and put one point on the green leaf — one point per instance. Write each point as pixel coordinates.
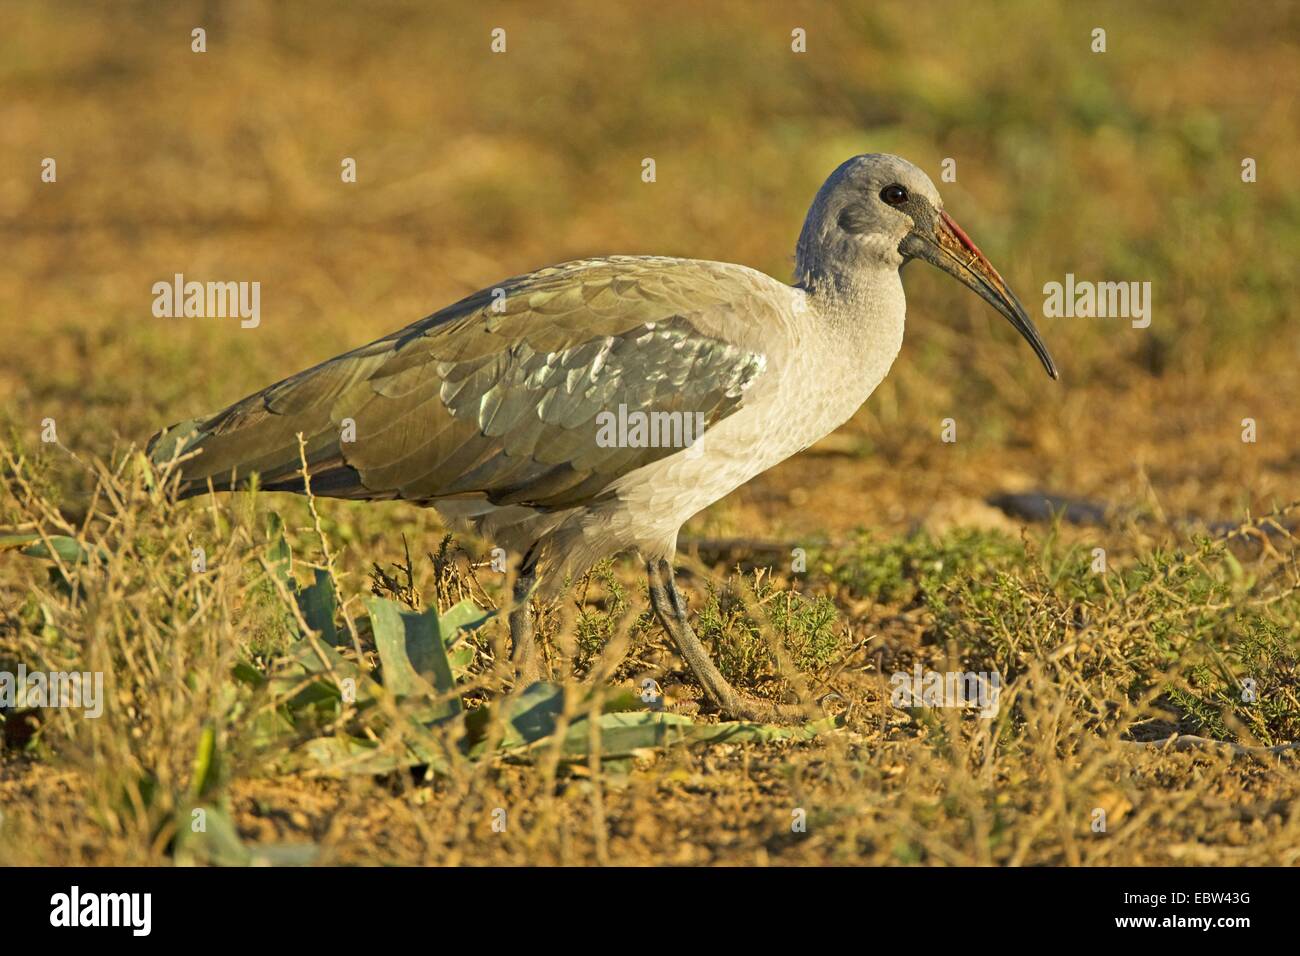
(216, 844)
(11, 542)
(318, 605)
(219, 844)
(412, 653)
(246, 673)
(278, 554)
(455, 624)
(206, 763)
(346, 755)
(621, 734)
(622, 699)
(69, 550)
(460, 659)
(465, 616)
(269, 728)
(313, 700)
(529, 716)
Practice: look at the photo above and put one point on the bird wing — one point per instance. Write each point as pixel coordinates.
(498, 395)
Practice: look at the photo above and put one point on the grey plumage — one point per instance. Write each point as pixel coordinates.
(488, 409)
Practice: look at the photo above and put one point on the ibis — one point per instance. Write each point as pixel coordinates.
(593, 407)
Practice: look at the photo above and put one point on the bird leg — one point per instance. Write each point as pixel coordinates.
(523, 645)
(670, 608)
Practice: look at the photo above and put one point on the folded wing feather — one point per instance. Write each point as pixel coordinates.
(498, 395)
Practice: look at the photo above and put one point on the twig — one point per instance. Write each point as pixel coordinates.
(325, 548)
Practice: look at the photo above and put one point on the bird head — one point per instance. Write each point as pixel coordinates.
(881, 207)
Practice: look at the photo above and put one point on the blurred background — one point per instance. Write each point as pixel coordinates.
(473, 166)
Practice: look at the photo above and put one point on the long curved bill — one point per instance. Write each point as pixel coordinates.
(951, 250)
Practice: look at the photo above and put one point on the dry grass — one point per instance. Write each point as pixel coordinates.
(473, 167)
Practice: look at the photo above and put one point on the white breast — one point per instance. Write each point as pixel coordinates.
(818, 376)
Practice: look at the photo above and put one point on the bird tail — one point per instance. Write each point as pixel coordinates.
(223, 453)
(174, 442)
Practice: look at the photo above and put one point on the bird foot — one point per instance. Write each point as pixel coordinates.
(740, 707)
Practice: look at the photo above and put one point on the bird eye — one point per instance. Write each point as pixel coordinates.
(894, 194)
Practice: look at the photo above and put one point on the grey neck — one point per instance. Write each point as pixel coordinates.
(855, 296)
(862, 295)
